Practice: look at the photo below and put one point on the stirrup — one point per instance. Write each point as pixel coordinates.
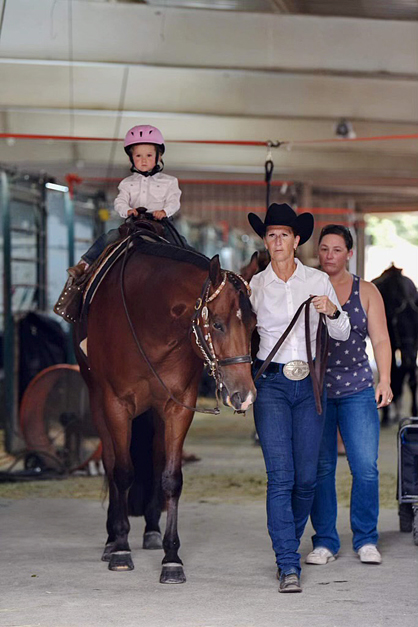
(69, 303)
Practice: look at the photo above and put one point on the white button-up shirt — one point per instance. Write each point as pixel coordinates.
(275, 302)
(156, 192)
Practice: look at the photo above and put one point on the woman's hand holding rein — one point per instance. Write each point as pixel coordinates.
(323, 305)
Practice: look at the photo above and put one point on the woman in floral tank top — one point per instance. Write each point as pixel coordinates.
(351, 407)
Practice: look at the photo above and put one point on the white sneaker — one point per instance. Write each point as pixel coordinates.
(369, 554)
(319, 556)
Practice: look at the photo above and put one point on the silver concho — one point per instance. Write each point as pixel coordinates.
(296, 370)
(205, 313)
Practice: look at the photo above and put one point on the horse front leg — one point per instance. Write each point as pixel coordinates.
(108, 458)
(152, 534)
(176, 426)
(117, 551)
(120, 475)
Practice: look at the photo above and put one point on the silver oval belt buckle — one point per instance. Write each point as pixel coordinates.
(296, 370)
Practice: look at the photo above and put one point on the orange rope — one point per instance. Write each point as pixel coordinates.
(216, 142)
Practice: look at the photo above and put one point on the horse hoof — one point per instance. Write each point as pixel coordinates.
(121, 560)
(152, 540)
(172, 573)
(107, 552)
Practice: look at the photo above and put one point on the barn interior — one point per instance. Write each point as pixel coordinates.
(323, 92)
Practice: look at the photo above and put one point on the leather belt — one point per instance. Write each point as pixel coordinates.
(273, 366)
(295, 370)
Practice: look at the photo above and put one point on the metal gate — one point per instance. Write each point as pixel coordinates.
(23, 259)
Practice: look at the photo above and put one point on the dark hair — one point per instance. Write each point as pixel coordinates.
(338, 229)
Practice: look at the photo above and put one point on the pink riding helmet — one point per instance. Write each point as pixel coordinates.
(144, 134)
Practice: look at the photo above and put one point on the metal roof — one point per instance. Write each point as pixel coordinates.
(370, 9)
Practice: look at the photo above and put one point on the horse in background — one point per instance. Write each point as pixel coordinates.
(400, 297)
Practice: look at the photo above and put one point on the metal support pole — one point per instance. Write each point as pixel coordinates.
(307, 252)
(10, 392)
(42, 251)
(358, 257)
(100, 214)
(360, 247)
(69, 216)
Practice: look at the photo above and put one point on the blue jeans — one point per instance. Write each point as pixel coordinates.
(100, 244)
(290, 431)
(358, 421)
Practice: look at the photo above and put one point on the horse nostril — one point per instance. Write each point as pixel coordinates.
(236, 400)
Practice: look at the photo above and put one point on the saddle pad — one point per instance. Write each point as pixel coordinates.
(147, 246)
(101, 271)
(92, 286)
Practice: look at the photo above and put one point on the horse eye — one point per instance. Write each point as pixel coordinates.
(218, 326)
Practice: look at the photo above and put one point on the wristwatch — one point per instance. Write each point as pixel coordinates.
(335, 315)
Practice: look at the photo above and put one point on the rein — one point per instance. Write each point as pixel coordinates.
(203, 339)
(202, 334)
(317, 370)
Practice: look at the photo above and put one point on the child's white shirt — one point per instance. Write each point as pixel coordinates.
(156, 193)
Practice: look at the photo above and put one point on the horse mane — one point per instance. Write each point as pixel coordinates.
(170, 251)
(193, 257)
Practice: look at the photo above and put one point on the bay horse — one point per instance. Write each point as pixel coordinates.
(154, 321)
(401, 305)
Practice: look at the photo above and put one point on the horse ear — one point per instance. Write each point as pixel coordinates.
(215, 273)
(248, 271)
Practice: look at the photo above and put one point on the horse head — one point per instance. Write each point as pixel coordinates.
(223, 325)
(401, 305)
(259, 262)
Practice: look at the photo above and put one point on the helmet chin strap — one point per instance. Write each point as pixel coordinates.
(155, 169)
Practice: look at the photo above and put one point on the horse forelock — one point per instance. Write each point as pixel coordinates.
(243, 299)
(235, 280)
(245, 306)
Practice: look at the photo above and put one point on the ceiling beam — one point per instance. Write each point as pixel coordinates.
(207, 91)
(130, 33)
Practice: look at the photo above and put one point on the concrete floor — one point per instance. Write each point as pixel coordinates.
(51, 574)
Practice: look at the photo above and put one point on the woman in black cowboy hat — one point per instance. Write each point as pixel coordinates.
(285, 413)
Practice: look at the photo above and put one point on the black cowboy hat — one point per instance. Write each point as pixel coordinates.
(283, 215)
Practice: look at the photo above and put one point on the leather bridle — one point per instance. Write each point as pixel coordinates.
(201, 329)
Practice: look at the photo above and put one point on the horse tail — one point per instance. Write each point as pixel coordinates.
(141, 450)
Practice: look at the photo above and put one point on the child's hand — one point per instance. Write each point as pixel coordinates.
(132, 212)
(159, 215)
